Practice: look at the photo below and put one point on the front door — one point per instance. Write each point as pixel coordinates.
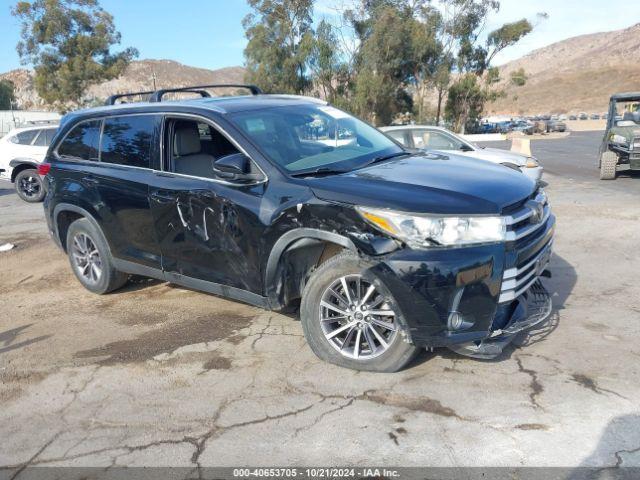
(207, 227)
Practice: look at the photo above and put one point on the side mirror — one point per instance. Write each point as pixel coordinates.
(235, 166)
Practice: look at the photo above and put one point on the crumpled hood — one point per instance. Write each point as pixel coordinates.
(496, 155)
(443, 184)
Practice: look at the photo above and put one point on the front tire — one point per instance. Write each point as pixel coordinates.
(90, 258)
(350, 318)
(608, 162)
(29, 186)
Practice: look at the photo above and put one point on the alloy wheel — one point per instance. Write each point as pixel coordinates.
(86, 258)
(356, 319)
(30, 186)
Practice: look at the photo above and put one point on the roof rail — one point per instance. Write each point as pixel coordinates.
(112, 99)
(199, 89)
(43, 122)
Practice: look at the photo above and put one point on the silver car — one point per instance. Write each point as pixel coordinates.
(439, 139)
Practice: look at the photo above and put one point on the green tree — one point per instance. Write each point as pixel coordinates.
(383, 62)
(280, 43)
(6, 94)
(69, 43)
(325, 62)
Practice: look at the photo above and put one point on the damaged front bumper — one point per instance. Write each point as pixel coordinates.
(532, 308)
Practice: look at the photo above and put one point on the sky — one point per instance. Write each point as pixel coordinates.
(209, 33)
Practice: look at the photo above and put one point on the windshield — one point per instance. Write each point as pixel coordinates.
(627, 113)
(312, 137)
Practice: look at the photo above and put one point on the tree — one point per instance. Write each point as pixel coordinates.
(383, 63)
(325, 62)
(463, 29)
(280, 43)
(6, 94)
(69, 43)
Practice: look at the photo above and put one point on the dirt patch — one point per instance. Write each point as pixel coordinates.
(217, 362)
(425, 404)
(596, 327)
(532, 426)
(169, 338)
(13, 383)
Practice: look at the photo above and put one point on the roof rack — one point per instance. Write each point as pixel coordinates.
(199, 89)
(112, 99)
(43, 122)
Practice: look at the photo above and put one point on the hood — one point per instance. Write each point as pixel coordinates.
(496, 155)
(441, 184)
(627, 132)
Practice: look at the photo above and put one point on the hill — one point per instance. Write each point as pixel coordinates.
(577, 74)
(138, 76)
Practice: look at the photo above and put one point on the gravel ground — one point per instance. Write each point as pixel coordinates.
(158, 375)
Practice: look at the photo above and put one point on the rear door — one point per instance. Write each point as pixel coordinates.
(129, 152)
(208, 228)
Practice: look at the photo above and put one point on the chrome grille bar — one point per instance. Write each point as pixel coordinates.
(516, 281)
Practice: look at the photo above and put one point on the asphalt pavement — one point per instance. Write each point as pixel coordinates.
(575, 158)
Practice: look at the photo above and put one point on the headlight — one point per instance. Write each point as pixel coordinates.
(532, 162)
(429, 230)
(615, 138)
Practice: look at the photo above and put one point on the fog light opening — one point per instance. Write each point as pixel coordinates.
(455, 321)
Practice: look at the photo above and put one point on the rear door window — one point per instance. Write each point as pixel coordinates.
(129, 140)
(82, 141)
(45, 137)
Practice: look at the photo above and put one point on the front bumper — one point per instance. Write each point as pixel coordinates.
(534, 307)
(488, 287)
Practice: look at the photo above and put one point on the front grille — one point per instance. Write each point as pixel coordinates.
(525, 226)
(517, 280)
(531, 216)
(635, 149)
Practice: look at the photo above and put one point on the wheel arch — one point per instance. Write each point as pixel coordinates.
(294, 256)
(64, 214)
(20, 164)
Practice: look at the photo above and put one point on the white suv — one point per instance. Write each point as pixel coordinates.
(21, 151)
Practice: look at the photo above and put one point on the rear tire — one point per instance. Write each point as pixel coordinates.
(90, 258)
(608, 162)
(29, 186)
(378, 336)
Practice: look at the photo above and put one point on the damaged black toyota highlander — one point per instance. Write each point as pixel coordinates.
(282, 201)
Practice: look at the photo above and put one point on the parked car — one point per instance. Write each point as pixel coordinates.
(583, 116)
(556, 126)
(522, 126)
(573, 117)
(21, 151)
(429, 138)
(595, 116)
(388, 250)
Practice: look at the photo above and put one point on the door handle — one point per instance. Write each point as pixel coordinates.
(163, 197)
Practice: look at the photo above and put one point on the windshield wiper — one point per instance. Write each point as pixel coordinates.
(383, 158)
(318, 172)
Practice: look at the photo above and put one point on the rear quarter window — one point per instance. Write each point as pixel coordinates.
(24, 138)
(129, 140)
(82, 141)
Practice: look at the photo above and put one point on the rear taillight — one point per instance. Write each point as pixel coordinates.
(44, 168)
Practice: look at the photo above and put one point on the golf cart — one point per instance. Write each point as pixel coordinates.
(621, 143)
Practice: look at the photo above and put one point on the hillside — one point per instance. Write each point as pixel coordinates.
(138, 76)
(577, 74)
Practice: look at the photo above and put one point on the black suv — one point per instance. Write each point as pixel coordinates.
(281, 201)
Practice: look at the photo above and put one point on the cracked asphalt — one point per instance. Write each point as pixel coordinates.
(157, 375)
